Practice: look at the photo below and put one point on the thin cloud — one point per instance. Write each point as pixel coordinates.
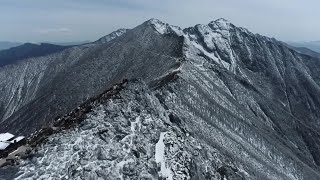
(287, 20)
(53, 30)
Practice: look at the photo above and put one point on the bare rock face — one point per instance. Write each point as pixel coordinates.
(212, 101)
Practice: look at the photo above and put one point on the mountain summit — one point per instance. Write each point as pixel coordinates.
(212, 101)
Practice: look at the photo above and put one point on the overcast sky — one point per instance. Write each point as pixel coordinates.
(79, 20)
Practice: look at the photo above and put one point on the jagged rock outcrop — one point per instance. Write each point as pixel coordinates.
(213, 101)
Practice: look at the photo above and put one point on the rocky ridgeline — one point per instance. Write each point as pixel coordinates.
(68, 121)
(129, 135)
(75, 117)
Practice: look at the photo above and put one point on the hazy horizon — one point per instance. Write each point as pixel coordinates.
(71, 20)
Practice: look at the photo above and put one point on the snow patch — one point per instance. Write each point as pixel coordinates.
(159, 26)
(164, 28)
(3, 145)
(6, 136)
(160, 158)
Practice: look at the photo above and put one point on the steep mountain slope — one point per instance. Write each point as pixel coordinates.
(213, 102)
(53, 85)
(232, 76)
(28, 50)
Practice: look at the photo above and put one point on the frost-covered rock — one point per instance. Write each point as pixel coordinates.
(128, 136)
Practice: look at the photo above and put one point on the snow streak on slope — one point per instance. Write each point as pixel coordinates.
(159, 156)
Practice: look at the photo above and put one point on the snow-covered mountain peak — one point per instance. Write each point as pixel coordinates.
(155, 21)
(164, 28)
(221, 24)
(158, 25)
(221, 20)
(211, 44)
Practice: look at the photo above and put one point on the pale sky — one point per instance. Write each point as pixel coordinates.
(79, 20)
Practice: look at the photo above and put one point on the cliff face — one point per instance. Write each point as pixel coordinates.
(212, 101)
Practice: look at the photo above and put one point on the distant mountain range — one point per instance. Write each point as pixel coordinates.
(68, 43)
(28, 50)
(312, 45)
(311, 48)
(304, 50)
(7, 45)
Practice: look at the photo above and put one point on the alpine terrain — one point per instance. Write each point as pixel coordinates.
(212, 101)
